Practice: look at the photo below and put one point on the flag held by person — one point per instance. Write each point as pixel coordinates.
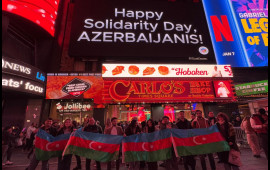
(95, 146)
(149, 147)
(48, 146)
(198, 141)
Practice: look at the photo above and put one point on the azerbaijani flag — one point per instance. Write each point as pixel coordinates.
(198, 141)
(95, 146)
(48, 146)
(149, 147)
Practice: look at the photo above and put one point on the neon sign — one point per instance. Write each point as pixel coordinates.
(157, 91)
(41, 12)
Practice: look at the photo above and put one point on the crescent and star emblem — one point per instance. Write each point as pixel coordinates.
(197, 143)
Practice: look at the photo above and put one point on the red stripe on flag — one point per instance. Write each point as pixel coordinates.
(199, 140)
(148, 146)
(50, 146)
(97, 146)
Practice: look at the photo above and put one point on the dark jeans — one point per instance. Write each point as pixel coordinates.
(263, 138)
(88, 164)
(64, 162)
(9, 152)
(34, 163)
(152, 165)
(211, 160)
(28, 145)
(109, 164)
(172, 163)
(189, 161)
(79, 162)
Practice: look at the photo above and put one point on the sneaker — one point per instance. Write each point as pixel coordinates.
(9, 163)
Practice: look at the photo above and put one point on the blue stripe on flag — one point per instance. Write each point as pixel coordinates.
(148, 137)
(97, 137)
(187, 133)
(44, 135)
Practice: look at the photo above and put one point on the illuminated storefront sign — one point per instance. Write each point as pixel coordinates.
(22, 84)
(155, 70)
(246, 89)
(73, 107)
(41, 12)
(22, 77)
(159, 91)
(15, 67)
(122, 28)
(74, 86)
(239, 31)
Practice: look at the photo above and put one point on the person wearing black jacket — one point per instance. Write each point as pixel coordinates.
(227, 131)
(65, 161)
(34, 162)
(183, 123)
(92, 127)
(8, 140)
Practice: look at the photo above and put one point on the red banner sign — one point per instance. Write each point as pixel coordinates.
(157, 91)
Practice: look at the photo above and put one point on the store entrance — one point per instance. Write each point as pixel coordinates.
(125, 112)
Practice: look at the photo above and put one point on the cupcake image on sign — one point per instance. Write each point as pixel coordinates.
(204, 50)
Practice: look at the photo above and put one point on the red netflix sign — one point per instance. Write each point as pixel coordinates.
(157, 91)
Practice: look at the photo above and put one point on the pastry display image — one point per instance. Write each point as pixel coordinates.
(134, 70)
(149, 71)
(118, 70)
(163, 70)
(104, 69)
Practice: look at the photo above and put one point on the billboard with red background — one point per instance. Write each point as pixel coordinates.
(74, 86)
(40, 12)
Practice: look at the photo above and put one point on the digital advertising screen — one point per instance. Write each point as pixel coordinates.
(40, 12)
(239, 31)
(223, 89)
(74, 86)
(119, 28)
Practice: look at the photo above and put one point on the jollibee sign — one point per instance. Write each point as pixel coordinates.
(155, 70)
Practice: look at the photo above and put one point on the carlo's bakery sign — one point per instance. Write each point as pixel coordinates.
(22, 77)
(155, 70)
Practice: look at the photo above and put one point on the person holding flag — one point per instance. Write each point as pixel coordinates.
(114, 130)
(65, 161)
(92, 127)
(50, 130)
(198, 123)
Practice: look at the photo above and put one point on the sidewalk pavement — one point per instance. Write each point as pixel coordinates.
(249, 162)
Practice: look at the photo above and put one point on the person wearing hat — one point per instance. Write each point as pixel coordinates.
(223, 90)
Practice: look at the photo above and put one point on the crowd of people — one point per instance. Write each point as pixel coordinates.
(256, 128)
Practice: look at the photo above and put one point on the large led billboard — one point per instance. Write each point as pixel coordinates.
(239, 31)
(41, 12)
(156, 29)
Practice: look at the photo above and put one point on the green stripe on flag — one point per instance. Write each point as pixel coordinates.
(203, 149)
(91, 154)
(154, 156)
(46, 155)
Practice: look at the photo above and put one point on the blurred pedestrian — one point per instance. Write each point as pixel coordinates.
(198, 123)
(78, 158)
(29, 143)
(227, 131)
(193, 116)
(252, 137)
(237, 122)
(7, 144)
(260, 126)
